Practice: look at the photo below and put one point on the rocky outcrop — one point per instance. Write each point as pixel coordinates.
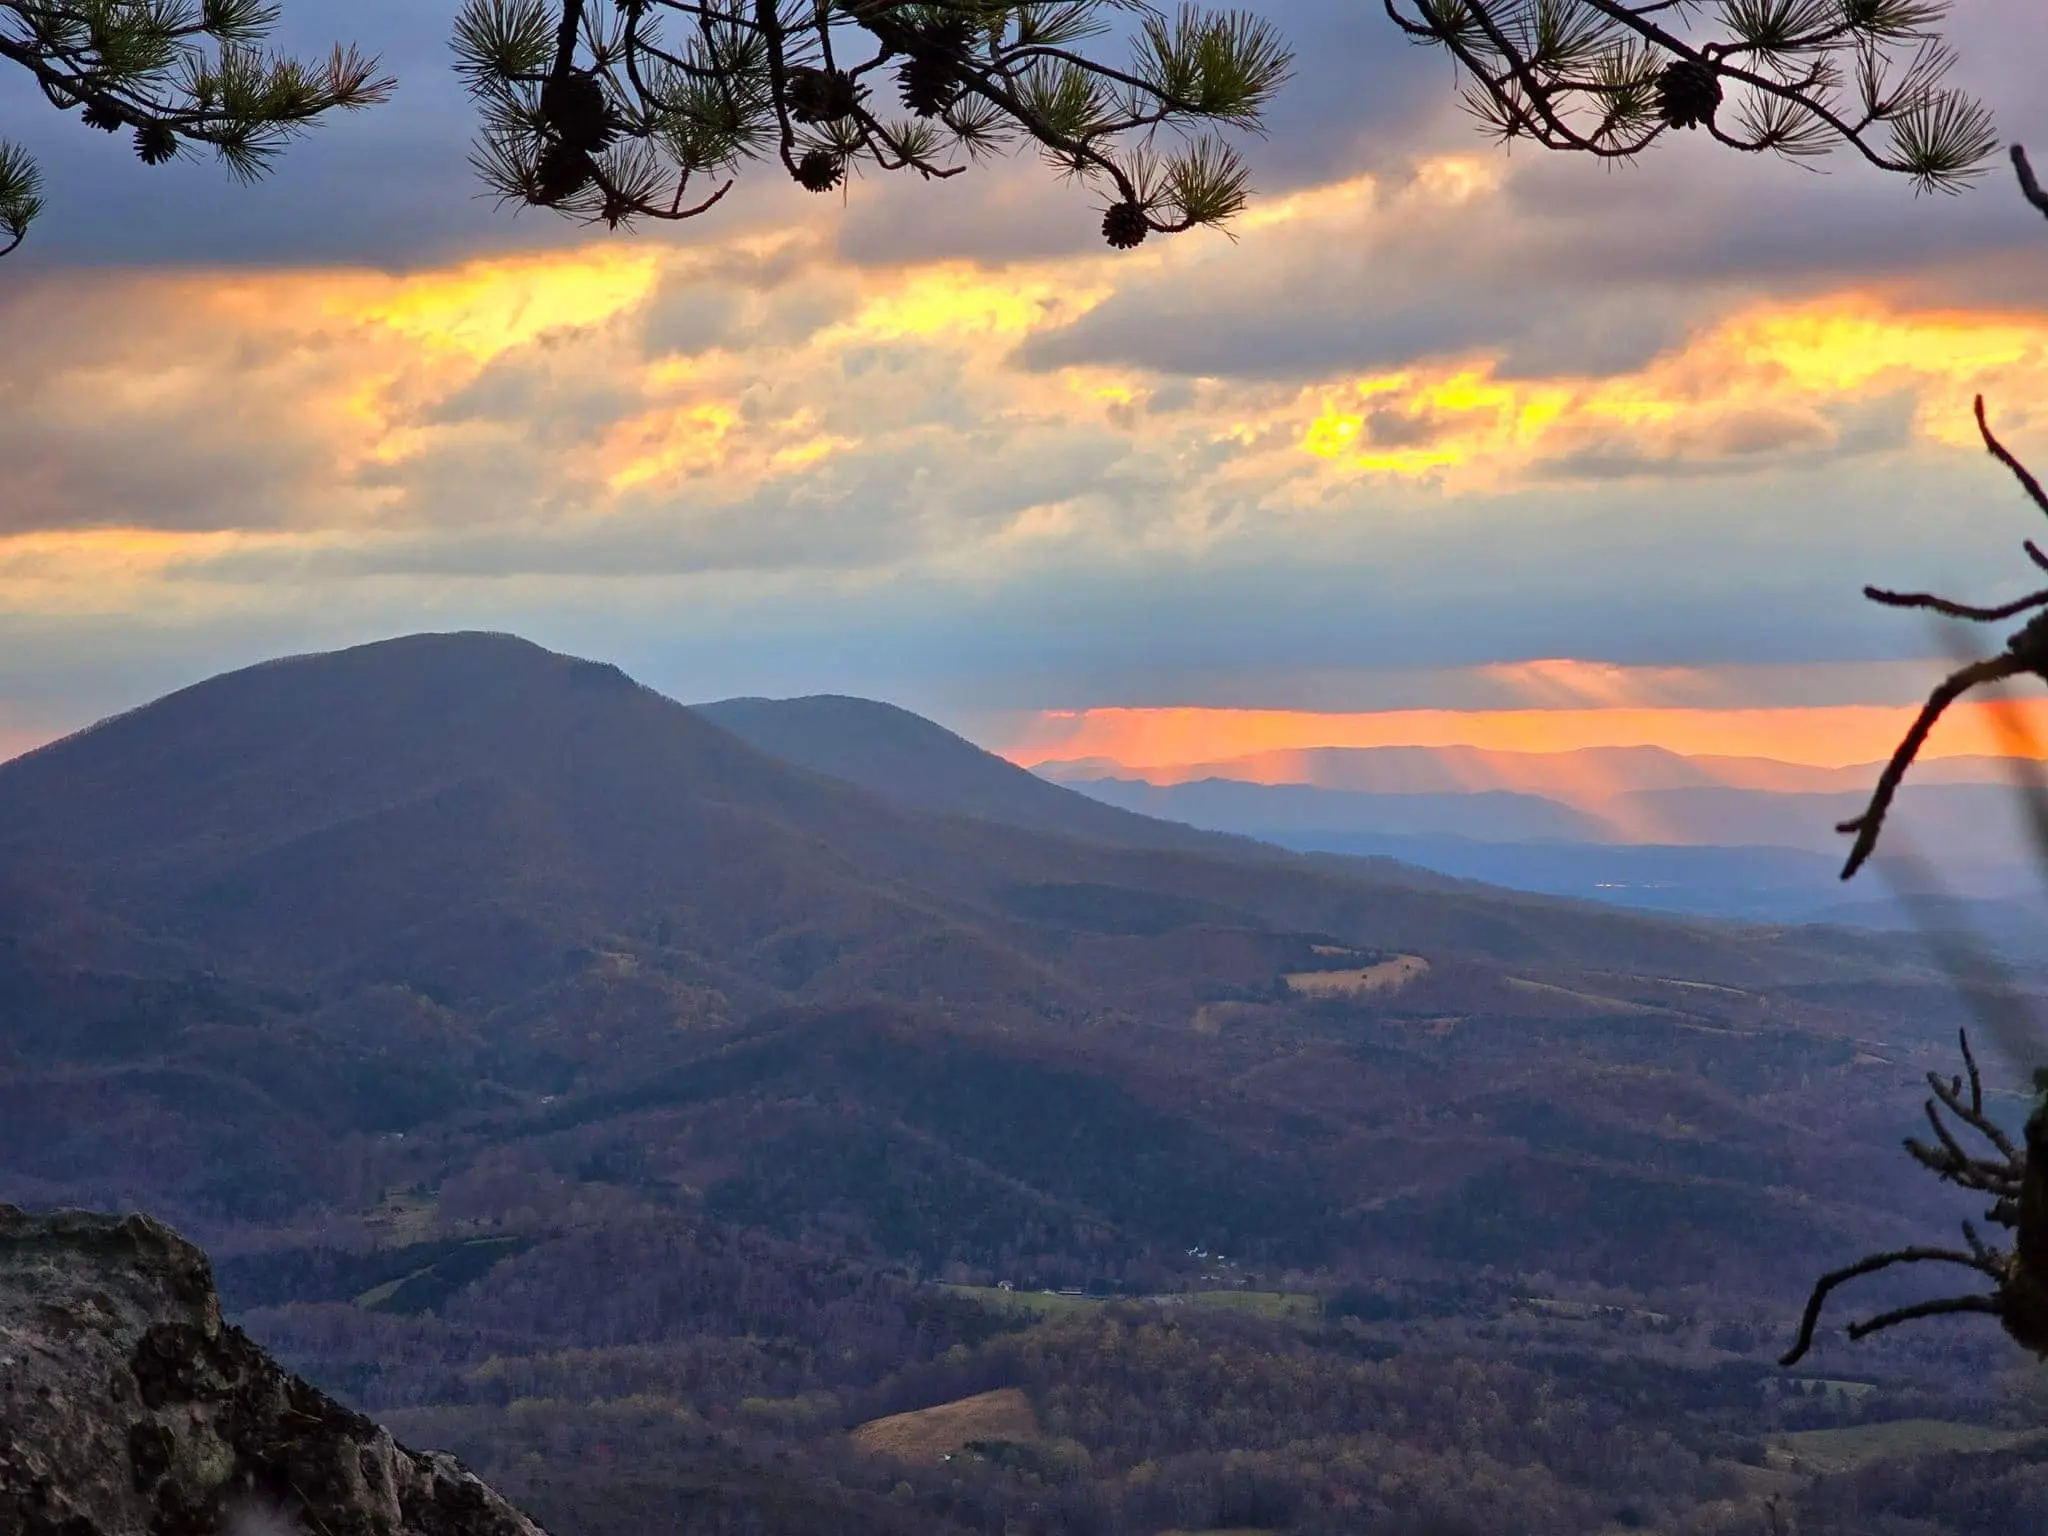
(128, 1407)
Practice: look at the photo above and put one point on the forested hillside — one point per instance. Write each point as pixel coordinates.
(557, 1075)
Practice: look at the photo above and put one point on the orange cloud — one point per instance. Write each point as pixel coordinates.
(1760, 382)
(551, 389)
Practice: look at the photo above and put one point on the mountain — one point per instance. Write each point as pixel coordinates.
(1641, 827)
(357, 893)
(1756, 884)
(1750, 855)
(918, 764)
(574, 1084)
(470, 814)
(1598, 795)
(1586, 777)
(1287, 813)
(1980, 828)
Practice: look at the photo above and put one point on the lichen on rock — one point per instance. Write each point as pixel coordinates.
(129, 1408)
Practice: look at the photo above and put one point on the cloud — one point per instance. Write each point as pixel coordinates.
(758, 405)
(1434, 408)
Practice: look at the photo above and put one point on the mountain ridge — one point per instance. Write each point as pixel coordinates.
(388, 788)
(442, 878)
(1585, 776)
(916, 762)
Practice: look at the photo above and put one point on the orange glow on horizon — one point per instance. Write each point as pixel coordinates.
(1177, 741)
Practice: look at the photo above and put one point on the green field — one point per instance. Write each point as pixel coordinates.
(1281, 1306)
(1837, 1450)
(1032, 1303)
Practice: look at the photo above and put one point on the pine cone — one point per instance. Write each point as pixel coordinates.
(561, 173)
(155, 143)
(928, 85)
(106, 119)
(884, 18)
(1687, 93)
(820, 170)
(821, 95)
(1125, 225)
(575, 109)
(930, 78)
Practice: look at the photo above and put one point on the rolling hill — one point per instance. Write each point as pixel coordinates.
(1297, 811)
(1585, 777)
(457, 913)
(547, 1063)
(921, 765)
(471, 813)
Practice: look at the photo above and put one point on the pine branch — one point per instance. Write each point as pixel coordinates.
(1609, 78)
(176, 76)
(604, 109)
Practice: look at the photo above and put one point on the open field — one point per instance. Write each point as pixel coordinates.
(1388, 976)
(1593, 1002)
(1280, 1306)
(1026, 1303)
(1838, 1450)
(931, 1433)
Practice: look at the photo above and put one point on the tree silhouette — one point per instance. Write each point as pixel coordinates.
(619, 110)
(614, 110)
(1799, 78)
(2014, 1174)
(173, 74)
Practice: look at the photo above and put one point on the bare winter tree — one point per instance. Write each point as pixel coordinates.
(2011, 1173)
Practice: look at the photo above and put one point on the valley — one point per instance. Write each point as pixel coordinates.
(640, 1109)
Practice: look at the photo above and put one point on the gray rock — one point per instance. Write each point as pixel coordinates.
(128, 1408)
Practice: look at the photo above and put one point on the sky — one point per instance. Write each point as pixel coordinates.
(1546, 446)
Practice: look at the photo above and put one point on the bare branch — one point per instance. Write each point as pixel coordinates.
(2021, 473)
(1867, 826)
(1826, 1285)
(1945, 1306)
(2030, 189)
(1955, 610)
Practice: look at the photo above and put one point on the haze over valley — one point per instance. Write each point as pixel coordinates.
(1747, 838)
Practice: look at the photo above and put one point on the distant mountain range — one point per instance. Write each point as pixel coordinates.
(1586, 777)
(1638, 826)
